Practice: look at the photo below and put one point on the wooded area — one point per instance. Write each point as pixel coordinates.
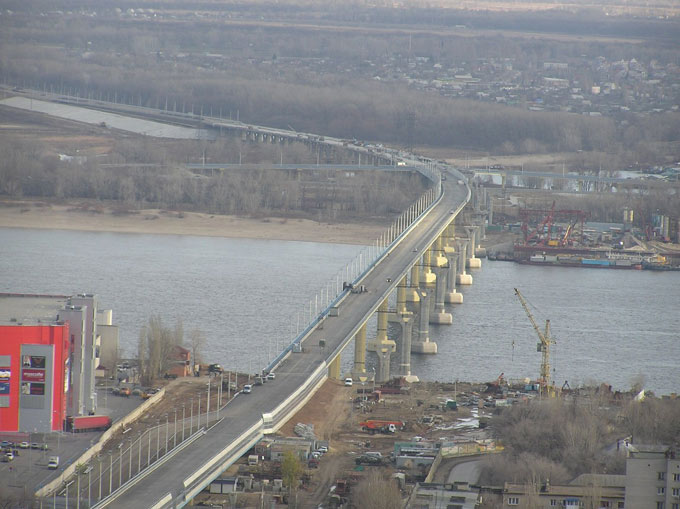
(246, 63)
(558, 439)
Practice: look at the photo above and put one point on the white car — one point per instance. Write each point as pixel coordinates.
(24, 445)
(348, 382)
(247, 389)
(271, 376)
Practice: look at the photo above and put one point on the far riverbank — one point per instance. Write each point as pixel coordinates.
(100, 218)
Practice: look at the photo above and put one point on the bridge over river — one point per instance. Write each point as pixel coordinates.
(303, 367)
(422, 257)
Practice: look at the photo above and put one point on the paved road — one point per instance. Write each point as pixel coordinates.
(245, 411)
(465, 472)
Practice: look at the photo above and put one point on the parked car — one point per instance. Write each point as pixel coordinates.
(24, 445)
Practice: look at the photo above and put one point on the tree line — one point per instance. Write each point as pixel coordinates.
(130, 60)
(25, 171)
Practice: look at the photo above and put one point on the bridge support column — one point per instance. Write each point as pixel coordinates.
(472, 261)
(423, 344)
(334, 369)
(401, 297)
(449, 240)
(412, 293)
(359, 369)
(383, 374)
(406, 340)
(462, 278)
(451, 296)
(440, 316)
(382, 341)
(429, 278)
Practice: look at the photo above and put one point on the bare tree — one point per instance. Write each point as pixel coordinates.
(197, 342)
(376, 491)
(156, 344)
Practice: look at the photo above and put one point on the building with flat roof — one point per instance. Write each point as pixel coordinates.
(652, 477)
(48, 355)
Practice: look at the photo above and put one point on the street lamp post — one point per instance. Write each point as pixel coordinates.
(207, 411)
(120, 464)
(174, 435)
(110, 472)
(100, 477)
(183, 414)
(158, 438)
(66, 493)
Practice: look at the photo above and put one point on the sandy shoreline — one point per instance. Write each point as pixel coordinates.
(30, 214)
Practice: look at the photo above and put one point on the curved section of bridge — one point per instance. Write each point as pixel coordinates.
(300, 370)
(420, 257)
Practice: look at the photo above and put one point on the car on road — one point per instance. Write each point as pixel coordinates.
(215, 368)
(53, 463)
(247, 389)
(24, 445)
(271, 376)
(9, 456)
(348, 382)
(35, 445)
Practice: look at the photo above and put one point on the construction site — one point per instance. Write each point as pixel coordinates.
(566, 238)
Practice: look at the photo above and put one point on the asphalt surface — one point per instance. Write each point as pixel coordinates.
(246, 410)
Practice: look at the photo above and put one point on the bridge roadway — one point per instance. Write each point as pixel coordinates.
(241, 426)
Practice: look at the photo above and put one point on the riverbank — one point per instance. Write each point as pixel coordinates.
(88, 217)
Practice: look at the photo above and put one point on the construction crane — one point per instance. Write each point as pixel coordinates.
(543, 346)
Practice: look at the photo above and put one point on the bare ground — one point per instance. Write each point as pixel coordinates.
(84, 217)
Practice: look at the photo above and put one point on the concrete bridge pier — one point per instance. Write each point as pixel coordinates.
(406, 340)
(462, 278)
(334, 369)
(383, 374)
(441, 263)
(472, 261)
(412, 293)
(359, 368)
(451, 296)
(423, 343)
(382, 341)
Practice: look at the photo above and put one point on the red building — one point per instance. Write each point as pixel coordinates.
(34, 363)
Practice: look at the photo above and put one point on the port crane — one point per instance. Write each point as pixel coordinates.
(543, 346)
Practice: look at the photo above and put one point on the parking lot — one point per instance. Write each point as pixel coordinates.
(27, 470)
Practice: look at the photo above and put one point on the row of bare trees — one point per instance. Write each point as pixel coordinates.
(557, 440)
(26, 172)
(156, 348)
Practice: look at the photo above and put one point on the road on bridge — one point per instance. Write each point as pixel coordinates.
(174, 482)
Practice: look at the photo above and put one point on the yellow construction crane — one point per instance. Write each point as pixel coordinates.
(543, 346)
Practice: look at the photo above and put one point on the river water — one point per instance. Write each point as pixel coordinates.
(609, 325)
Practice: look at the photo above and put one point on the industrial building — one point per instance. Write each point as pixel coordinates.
(49, 351)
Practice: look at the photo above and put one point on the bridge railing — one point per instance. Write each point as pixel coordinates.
(350, 276)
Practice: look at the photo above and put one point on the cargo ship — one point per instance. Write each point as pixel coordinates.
(569, 260)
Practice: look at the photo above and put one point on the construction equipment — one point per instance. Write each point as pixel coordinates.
(543, 346)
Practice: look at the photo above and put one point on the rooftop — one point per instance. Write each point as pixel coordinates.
(25, 309)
